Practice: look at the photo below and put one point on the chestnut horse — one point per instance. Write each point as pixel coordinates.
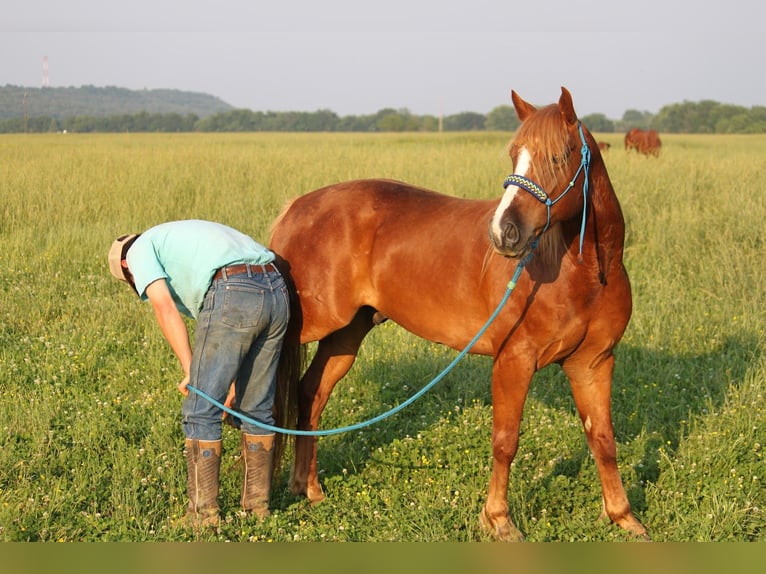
(362, 251)
(645, 142)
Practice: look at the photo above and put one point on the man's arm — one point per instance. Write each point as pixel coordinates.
(172, 325)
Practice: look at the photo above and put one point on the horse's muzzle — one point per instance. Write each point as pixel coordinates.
(509, 242)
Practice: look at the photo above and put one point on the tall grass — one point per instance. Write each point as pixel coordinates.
(90, 439)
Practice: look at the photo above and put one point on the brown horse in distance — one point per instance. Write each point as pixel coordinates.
(646, 142)
(364, 250)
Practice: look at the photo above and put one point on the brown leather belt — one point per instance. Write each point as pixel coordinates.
(242, 268)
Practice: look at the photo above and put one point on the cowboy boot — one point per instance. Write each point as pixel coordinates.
(258, 454)
(203, 463)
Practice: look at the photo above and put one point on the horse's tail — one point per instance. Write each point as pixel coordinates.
(289, 370)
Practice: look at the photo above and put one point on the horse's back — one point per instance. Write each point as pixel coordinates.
(381, 244)
(355, 214)
(350, 197)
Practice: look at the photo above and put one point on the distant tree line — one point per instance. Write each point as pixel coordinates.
(688, 117)
(242, 120)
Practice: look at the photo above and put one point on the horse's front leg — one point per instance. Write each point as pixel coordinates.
(591, 380)
(510, 383)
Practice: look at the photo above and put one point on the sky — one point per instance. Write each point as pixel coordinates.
(433, 57)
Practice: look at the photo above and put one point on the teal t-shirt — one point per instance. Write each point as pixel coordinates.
(187, 254)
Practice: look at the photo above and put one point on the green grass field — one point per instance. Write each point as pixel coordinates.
(90, 437)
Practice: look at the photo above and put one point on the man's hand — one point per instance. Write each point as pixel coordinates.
(229, 403)
(230, 396)
(182, 386)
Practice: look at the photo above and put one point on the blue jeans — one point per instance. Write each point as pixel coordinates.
(238, 338)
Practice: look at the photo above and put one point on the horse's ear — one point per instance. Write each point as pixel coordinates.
(523, 109)
(567, 107)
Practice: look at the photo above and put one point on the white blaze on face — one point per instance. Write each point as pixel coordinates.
(521, 168)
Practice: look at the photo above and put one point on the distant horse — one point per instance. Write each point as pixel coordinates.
(646, 142)
(362, 251)
(604, 146)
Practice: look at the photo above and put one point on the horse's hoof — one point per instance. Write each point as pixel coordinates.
(315, 494)
(638, 531)
(503, 531)
(631, 524)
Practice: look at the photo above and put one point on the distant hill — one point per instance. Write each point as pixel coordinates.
(60, 103)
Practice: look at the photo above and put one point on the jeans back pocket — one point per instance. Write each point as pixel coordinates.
(242, 306)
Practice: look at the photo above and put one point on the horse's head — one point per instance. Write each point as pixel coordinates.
(550, 168)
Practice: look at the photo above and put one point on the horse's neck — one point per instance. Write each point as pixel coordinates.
(606, 224)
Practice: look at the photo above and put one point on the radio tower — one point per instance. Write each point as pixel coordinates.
(46, 83)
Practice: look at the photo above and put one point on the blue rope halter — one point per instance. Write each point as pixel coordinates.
(540, 195)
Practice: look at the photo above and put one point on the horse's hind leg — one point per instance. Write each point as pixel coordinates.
(591, 388)
(334, 357)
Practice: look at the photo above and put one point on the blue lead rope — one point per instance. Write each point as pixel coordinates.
(509, 289)
(514, 179)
